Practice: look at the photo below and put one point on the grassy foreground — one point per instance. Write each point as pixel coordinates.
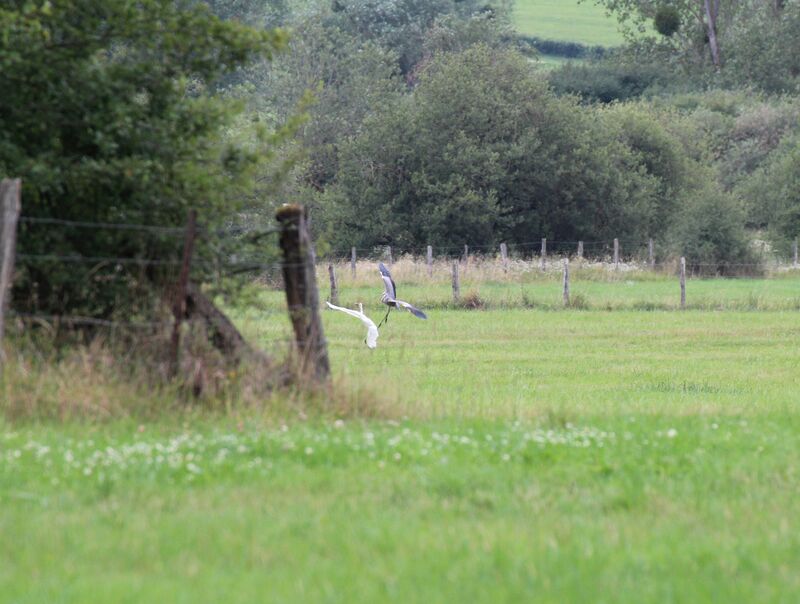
(572, 456)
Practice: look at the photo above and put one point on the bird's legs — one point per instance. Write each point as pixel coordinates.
(386, 318)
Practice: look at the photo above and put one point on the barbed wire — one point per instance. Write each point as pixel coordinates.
(89, 321)
(122, 226)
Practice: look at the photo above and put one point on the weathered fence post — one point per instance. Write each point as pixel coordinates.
(466, 255)
(504, 256)
(429, 260)
(389, 255)
(334, 288)
(566, 282)
(456, 283)
(353, 261)
(543, 262)
(616, 254)
(302, 297)
(794, 254)
(580, 250)
(179, 302)
(9, 215)
(651, 253)
(683, 282)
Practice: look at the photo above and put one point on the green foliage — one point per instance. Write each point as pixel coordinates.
(401, 25)
(608, 81)
(710, 233)
(773, 194)
(764, 50)
(667, 20)
(483, 152)
(105, 117)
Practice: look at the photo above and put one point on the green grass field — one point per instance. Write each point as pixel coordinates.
(530, 455)
(566, 20)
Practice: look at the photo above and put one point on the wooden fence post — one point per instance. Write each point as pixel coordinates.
(429, 259)
(456, 283)
(9, 215)
(504, 256)
(566, 282)
(580, 250)
(334, 289)
(179, 302)
(543, 262)
(616, 254)
(302, 297)
(651, 253)
(794, 254)
(683, 283)
(353, 261)
(389, 255)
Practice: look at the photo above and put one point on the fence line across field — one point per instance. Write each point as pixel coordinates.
(299, 266)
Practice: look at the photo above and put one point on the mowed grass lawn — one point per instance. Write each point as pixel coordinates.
(567, 20)
(533, 455)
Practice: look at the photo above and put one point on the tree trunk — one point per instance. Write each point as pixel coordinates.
(712, 11)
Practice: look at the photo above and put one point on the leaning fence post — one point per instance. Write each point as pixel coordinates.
(504, 256)
(616, 254)
(456, 283)
(334, 289)
(9, 215)
(429, 260)
(580, 250)
(683, 282)
(179, 302)
(794, 254)
(302, 297)
(353, 261)
(651, 254)
(566, 282)
(543, 262)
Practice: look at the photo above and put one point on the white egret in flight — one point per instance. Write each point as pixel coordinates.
(372, 331)
(389, 296)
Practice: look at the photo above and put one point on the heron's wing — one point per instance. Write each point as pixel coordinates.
(412, 309)
(388, 282)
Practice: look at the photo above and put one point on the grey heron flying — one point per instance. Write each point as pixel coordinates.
(389, 297)
(372, 331)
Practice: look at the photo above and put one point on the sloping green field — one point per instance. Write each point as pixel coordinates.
(566, 20)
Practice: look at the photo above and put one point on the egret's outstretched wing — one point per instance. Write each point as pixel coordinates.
(372, 336)
(412, 309)
(372, 329)
(388, 282)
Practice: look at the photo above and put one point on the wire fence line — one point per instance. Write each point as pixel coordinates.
(216, 259)
(256, 253)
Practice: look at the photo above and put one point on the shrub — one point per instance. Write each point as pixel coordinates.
(709, 232)
(667, 20)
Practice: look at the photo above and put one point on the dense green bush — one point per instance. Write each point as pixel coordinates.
(562, 48)
(667, 20)
(709, 232)
(103, 115)
(484, 152)
(608, 81)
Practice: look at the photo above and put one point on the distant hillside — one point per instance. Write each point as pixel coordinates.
(566, 20)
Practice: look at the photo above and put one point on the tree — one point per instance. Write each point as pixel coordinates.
(705, 16)
(105, 116)
(482, 152)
